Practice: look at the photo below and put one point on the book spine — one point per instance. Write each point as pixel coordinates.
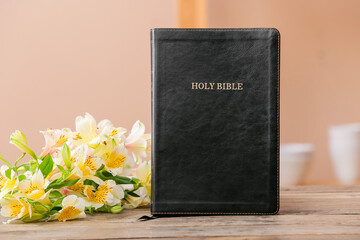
(153, 110)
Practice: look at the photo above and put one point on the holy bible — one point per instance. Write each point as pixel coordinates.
(215, 121)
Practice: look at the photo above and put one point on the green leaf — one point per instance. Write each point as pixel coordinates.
(58, 208)
(62, 169)
(58, 202)
(47, 165)
(26, 168)
(8, 173)
(104, 175)
(123, 180)
(21, 177)
(71, 182)
(66, 155)
(133, 194)
(52, 212)
(52, 183)
(56, 185)
(136, 180)
(55, 194)
(136, 187)
(101, 168)
(91, 183)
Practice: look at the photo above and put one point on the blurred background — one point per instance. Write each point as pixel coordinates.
(60, 59)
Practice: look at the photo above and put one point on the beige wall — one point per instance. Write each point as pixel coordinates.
(320, 63)
(60, 59)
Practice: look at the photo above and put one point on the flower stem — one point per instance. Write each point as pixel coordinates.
(2, 159)
(16, 168)
(19, 158)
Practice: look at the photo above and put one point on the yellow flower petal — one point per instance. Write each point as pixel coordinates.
(77, 187)
(115, 160)
(68, 213)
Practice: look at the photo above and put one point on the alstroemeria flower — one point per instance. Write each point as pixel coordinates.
(15, 208)
(76, 189)
(85, 164)
(86, 127)
(73, 207)
(85, 167)
(35, 188)
(143, 173)
(109, 193)
(118, 161)
(137, 142)
(7, 184)
(134, 202)
(92, 134)
(54, 139)
(19, 140)
(107, 131)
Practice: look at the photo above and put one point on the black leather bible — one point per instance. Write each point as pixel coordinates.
(215, 121)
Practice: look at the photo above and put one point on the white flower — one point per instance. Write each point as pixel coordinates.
(143, 173)
(15, 208)
(54, 139)
(85, 164)
(73, 207)
(7, 184)
(137, 142)
(92, 134)
(35, 188)
(86, 127)
(107, 130)
(134, 202)
(118, 162)
(109, 193)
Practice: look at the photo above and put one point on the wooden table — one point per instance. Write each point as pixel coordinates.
(307, 212)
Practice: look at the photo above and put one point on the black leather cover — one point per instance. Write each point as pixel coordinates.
(215, 151)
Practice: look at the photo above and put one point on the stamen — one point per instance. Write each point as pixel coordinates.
(62, 139)
(115, 161)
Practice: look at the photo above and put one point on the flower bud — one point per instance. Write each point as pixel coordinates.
(116, 209)
(34, 217)
(40, 208)
(19, 140)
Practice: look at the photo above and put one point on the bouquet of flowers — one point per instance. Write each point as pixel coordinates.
(97, 168)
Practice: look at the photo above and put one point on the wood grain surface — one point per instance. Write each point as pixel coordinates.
(306, 212)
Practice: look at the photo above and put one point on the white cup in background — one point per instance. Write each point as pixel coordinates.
(294, 159)
(344, 144)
